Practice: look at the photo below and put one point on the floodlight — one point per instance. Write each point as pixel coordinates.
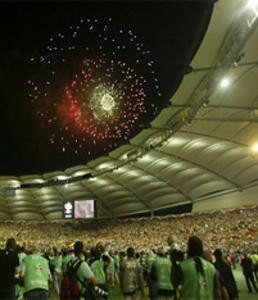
(255, 148)
(224, 83)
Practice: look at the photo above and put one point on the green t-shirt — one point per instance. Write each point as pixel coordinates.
(36, 273)
(65, 261)
(148, 263)
(117, 261)
(254, 258)
(97, 268)
(196, 286)
(21, 256)
(163, 266)
(57, 262)
(111, 265)
(84, 273)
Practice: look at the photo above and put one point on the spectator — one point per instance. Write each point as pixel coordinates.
(197, 275)
(225, 275)
(150, 282)
(99, 266)
(9, 268)
(254, 258)
(36, 276)
(85, 276)
(66, 257)
(161, 273)
(172, 243)
(56, 263)
(131, 276)
(247, 267)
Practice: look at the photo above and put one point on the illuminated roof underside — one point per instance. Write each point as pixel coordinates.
(200, 145)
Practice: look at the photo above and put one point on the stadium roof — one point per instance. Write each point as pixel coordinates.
(200, 145)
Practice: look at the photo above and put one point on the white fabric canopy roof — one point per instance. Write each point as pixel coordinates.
(197, 147)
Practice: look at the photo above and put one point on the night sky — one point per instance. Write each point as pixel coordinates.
(79, 79)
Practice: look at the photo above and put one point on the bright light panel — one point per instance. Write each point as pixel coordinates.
(224, 83)
(253, 4)
(255, 148)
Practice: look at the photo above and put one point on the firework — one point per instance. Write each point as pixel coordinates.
(93, 86)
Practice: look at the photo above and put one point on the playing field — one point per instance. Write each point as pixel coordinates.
(115, 293)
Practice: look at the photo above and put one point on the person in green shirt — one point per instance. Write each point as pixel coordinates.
(196, 276)
(36, 276)
(117, 265)
(254, 258)
(110, 271)
(85, 276)
(150, 283)
(98, 267)
(161, 274)
(149, 261)
(18, 287)
(56, 262)
(67, 255)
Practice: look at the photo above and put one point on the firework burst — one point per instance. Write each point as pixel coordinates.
(93, 86)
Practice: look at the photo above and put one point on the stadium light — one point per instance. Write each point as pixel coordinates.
(253, 4)
(255, 148)
(224, 83)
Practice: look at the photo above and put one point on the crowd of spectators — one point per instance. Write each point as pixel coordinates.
(160, 254)
(233, 230)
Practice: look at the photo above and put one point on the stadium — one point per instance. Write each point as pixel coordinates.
(129, 136)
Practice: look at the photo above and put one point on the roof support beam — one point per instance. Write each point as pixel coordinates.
(201, 167)
(241, 130)
(214, 137)
(230, 51)
(130, 191)
(180, 191)
(242, 120)
(203, 69)
(249, 108)
(155, 176)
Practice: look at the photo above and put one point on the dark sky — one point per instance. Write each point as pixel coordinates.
(171, 30)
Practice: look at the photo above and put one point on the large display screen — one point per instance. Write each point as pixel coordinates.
(79, 209)
(84, 209)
